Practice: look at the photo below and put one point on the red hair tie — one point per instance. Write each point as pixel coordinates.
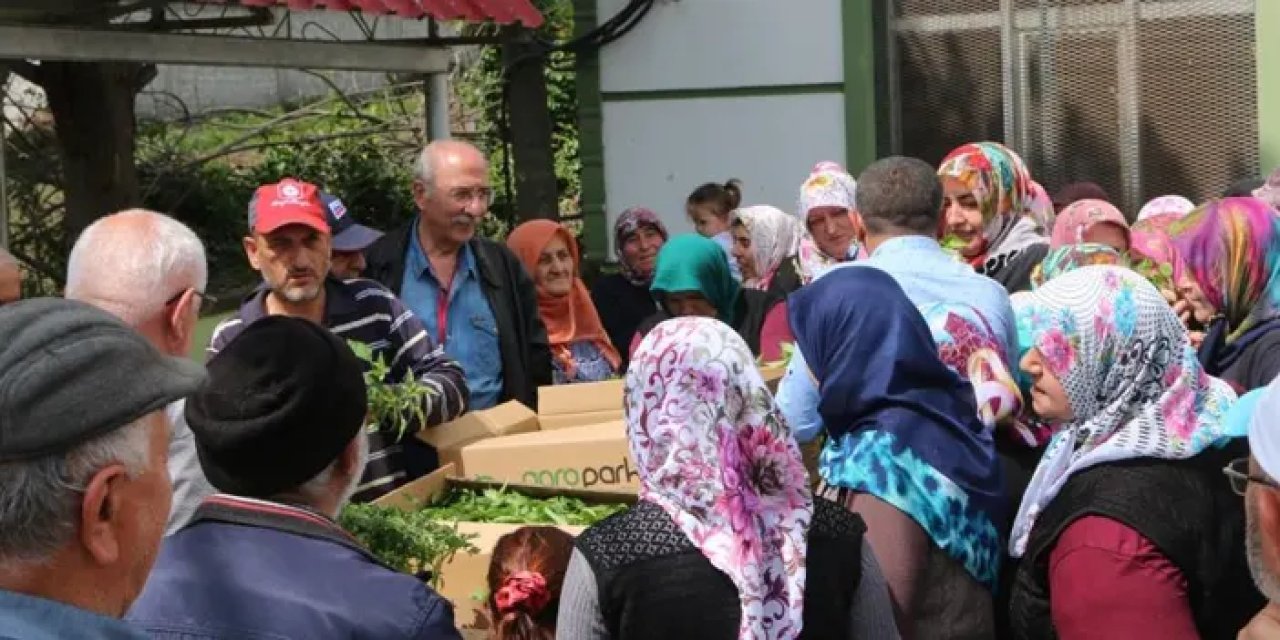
(522, 591)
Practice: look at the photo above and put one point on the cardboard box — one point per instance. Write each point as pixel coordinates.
(587, 397)
(505, 419)
(594, 457)
(568, 420)
(464, 578)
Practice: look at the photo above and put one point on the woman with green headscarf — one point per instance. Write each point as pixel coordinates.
(692, 278)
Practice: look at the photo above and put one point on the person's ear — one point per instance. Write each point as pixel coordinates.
(251, 251)
(100, 513)
(349, 463)
(179, 319)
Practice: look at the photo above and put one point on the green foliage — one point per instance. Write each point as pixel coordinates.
(479, 89)
(788, 352)
(397, 406)
(502, 506)
(405, 540)
(1160, 275)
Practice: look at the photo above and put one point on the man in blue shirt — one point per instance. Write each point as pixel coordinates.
(900, 200)
(83, 438)
(474, 296)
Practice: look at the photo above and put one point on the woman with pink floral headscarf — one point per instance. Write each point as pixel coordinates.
(726, 540)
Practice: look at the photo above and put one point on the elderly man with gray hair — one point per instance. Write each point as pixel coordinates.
(10, 278)
(83, 488)
(149, 270)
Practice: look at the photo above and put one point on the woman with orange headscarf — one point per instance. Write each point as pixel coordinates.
(580, 348)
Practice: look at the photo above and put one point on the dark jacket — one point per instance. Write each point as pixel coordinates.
(1184, 507)
(254, 569)
(654, 583)
(526, 353)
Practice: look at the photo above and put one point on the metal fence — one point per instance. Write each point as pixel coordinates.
(1145, 97)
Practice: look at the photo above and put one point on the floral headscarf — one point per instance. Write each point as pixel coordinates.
(1040, 207)
(1152, 252)
(1176, 205)
(1073, 256)
(999, 181)
(775, 237)
(1269, 192)
(829, 185)
(714, 453)
(627, 224)
(1130, 374)
(1080, 216)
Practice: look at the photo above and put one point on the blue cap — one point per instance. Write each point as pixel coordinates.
(347, 234)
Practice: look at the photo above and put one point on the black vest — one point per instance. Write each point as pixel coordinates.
(1185, 508)
(653, 583)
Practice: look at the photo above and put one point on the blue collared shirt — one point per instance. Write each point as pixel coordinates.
(24, 617)
(928, 276)
(470, 331)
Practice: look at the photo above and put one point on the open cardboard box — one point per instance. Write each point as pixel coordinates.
(463, 580)
(595, 457)
(772, 375)
(505, 419)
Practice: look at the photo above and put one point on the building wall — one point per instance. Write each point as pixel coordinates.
(708, 90)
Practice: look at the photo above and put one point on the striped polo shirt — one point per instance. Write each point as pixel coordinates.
(364, 311)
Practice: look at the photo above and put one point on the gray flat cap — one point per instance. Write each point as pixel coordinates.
(70, 372)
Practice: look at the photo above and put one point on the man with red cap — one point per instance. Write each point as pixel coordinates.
(290, 244)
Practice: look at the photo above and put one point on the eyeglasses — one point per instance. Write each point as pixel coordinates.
(207, 302)
(1237, 473)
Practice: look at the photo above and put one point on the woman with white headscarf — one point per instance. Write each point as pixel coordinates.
(765, 242)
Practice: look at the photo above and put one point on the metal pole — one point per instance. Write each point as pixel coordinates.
(438, 106)
(4, 188)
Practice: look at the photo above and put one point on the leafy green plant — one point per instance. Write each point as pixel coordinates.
(502, 506)
(409, 541)
(395, 405)
(788, 352)
(1160, 275)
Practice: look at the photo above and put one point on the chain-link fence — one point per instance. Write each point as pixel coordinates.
(1145, 97)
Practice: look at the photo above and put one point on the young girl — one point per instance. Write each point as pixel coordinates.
(525, 578)
(709, 207)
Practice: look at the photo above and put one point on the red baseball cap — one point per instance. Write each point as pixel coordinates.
(287, 202)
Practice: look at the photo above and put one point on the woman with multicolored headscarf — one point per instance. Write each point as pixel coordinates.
(623, 299)
(905, 449)
(1231, 252)
(765, 242)
(726, 539)
(1127, 529)
(829, 214)
(987, 218)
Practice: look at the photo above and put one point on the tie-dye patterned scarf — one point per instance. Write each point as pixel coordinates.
(999, 181)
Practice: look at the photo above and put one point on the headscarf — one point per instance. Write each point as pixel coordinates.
(775, 237)
(1152, 252)
(828, 185)
(571, 318)
(626, 226)
(1076, 191)
(1040, 207)
(1231, 247)
(902, 425)
(713, 451)
(1175, 205)
(1130, 374)
(1073, 256)
(1269, 192)
(690, 262)
(1080, 216)
(999, 181)
(973, 349)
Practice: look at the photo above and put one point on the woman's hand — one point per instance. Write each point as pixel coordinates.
(1181, 307)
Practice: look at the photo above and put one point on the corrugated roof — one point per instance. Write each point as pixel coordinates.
(500, 11)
